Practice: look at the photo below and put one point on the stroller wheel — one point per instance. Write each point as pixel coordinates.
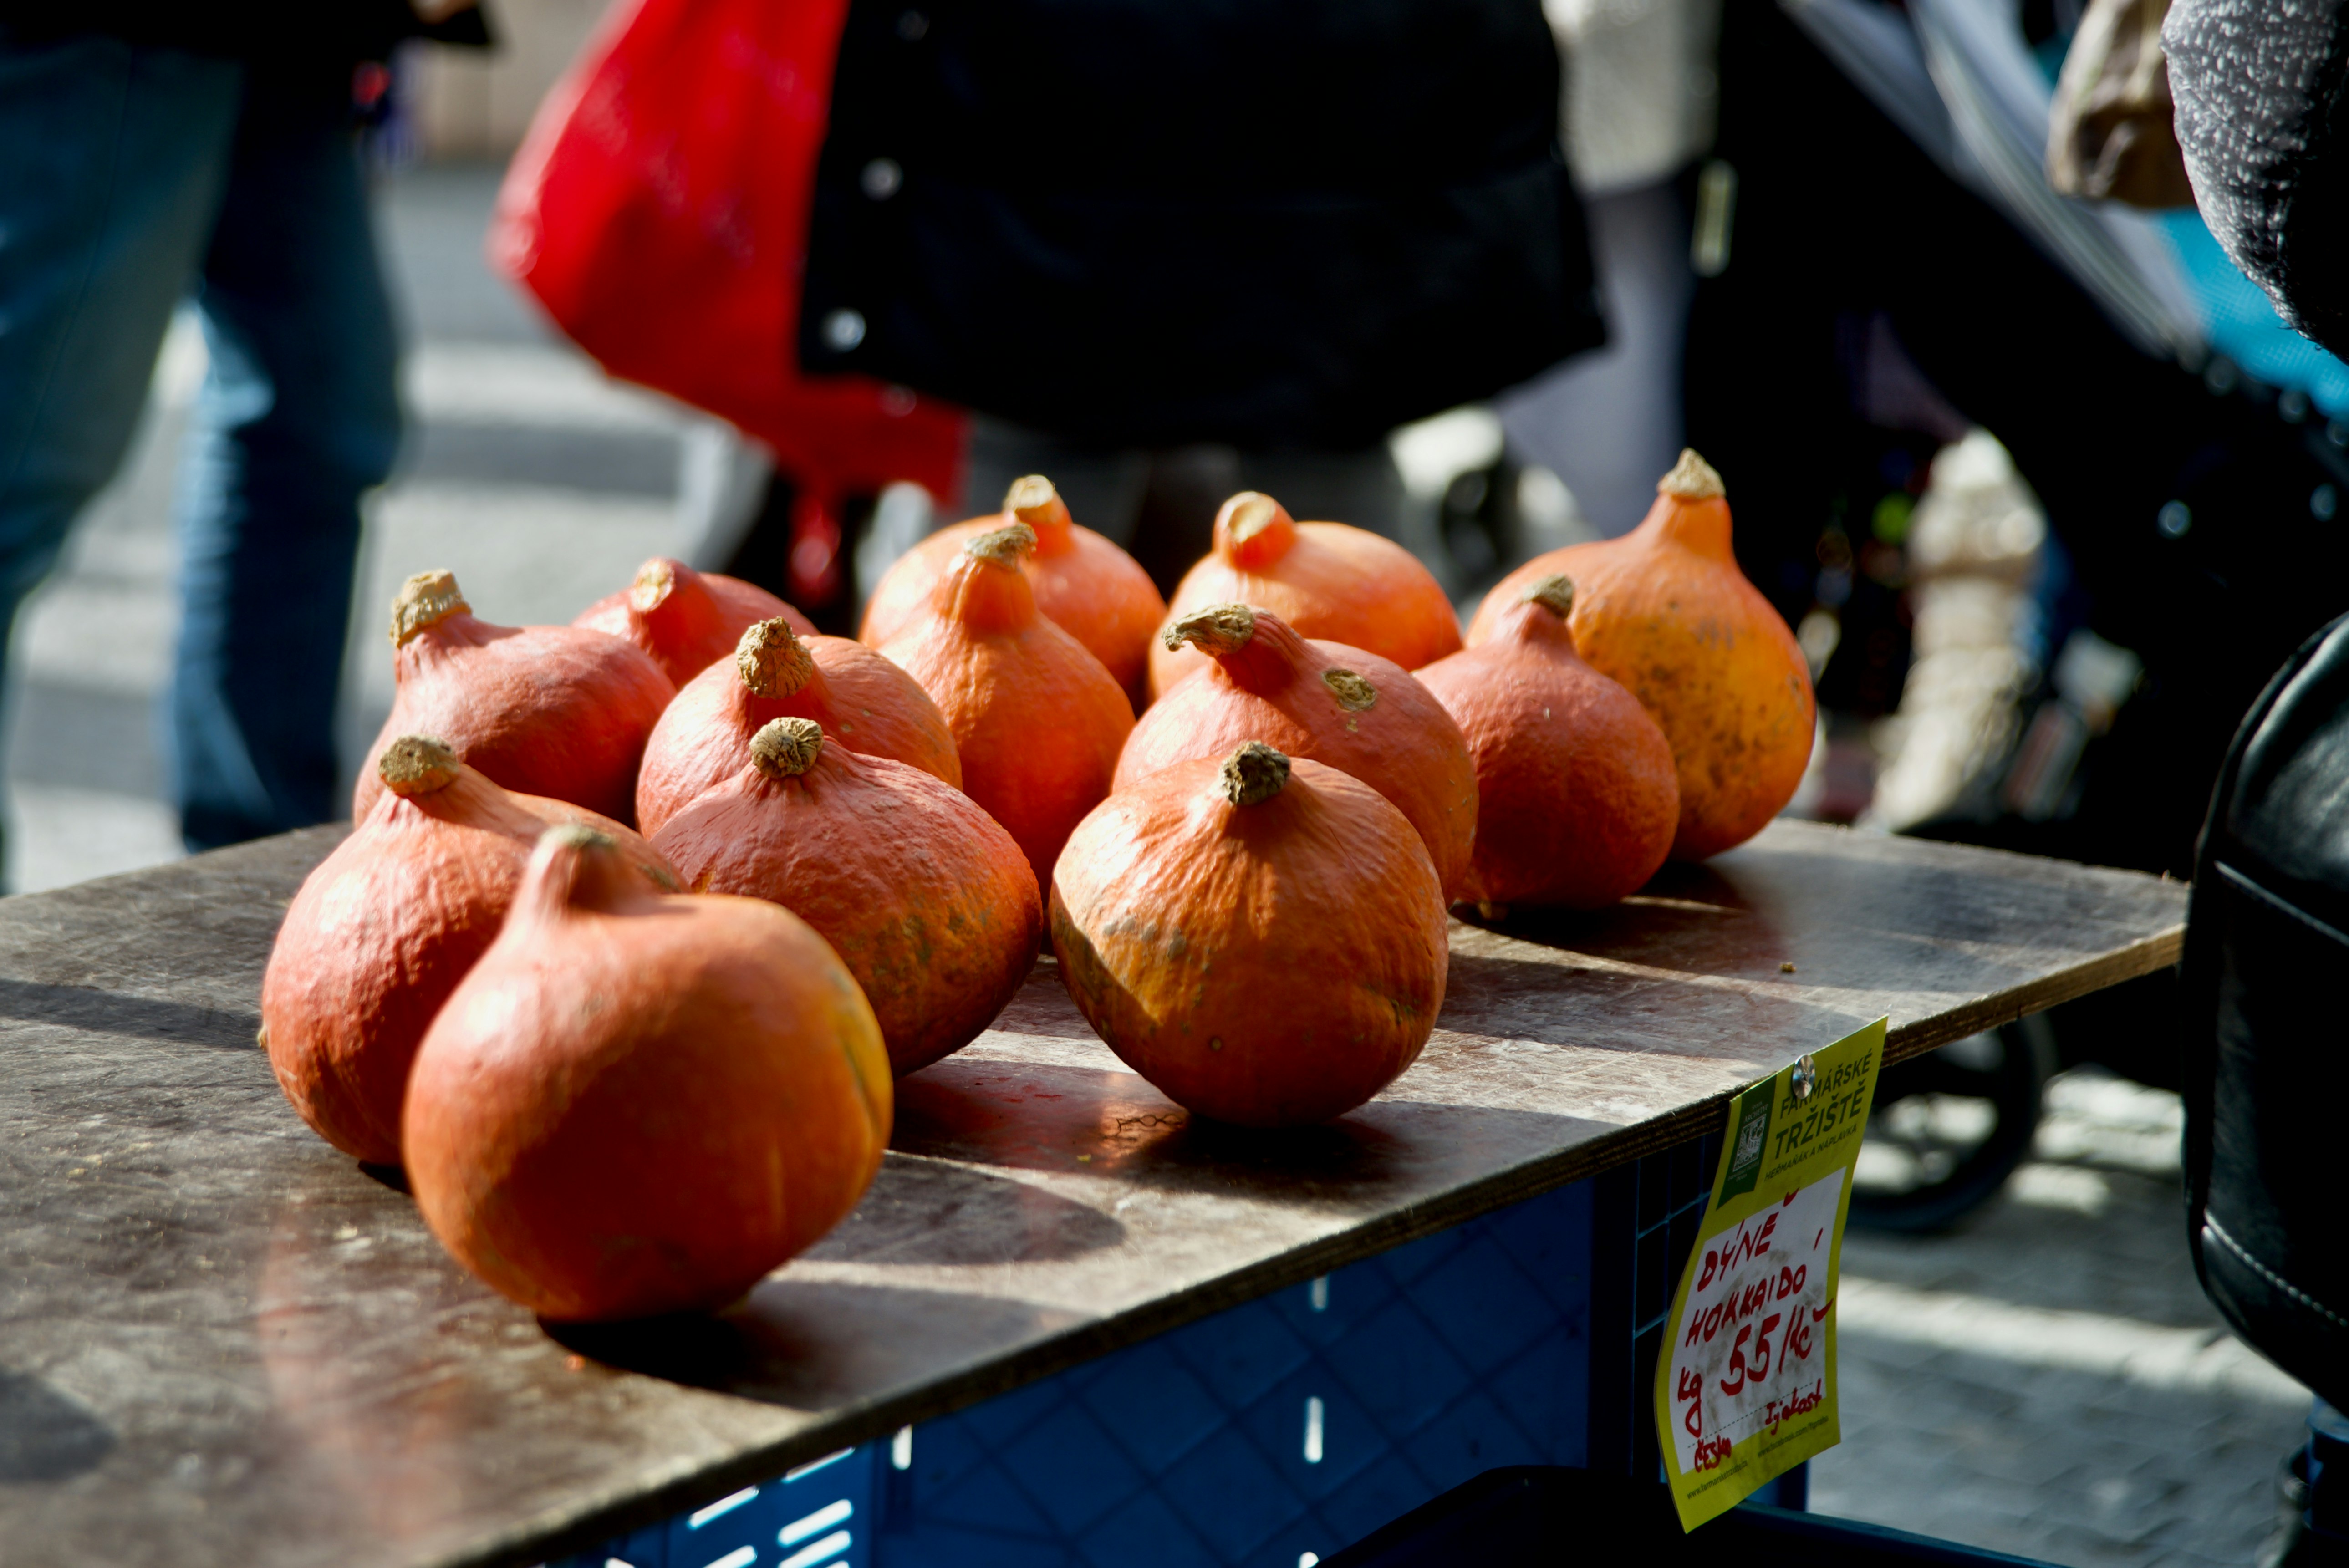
(1948, 1128)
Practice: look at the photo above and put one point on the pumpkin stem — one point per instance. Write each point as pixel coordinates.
(1691, 510)
(1252, 773)
(1034, 501)
(416, 765)
(1217, 630)
(1252, 530)
(1691, 479)
(423, 600)
(1553, 592)
(985, 592)
(576, 867)
(1354, 694)
(577, 836)
(773, 660)
(1002, 546)
(787, 748)
(656, 579)
(1030, 492)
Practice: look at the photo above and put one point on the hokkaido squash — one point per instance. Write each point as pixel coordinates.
(1084, 585)
(863, 702)
(384, 928)
(686, 620)
(545, 710)
(639, 1103)
(1327, 580)
(1263, 939)
(1665, 612)
(1577, 801)
(1341, 706)
(925, 897)
(1036, 720)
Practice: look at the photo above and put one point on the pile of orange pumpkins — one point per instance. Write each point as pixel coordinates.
(641, 916)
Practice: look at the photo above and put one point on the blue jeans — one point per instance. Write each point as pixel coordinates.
(135, 178)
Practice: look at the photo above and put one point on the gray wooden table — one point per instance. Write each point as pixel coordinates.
(221, 1343)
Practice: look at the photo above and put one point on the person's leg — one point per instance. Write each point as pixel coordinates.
(113, 174)
(297, 418)
(1608, 423)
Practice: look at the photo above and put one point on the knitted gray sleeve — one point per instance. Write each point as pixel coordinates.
(2259, 88)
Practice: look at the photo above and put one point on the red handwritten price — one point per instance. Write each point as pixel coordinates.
(1745, 1354)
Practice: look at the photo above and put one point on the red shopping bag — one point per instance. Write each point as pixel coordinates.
(658, 210)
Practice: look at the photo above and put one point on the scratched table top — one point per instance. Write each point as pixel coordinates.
(223, 1342)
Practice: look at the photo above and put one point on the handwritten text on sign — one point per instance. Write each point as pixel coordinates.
(1745, 1384)
(1745, 1353)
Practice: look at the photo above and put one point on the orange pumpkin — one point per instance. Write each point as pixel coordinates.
(384, 928)
(639, 1103)
(1263, 939)
(1036, 720)
(864, 701)
(545, 710)
(1341, 706)
(925, 897)
(1084, 585)
(1576, 799)
(1327, 580)
(1665, 611)
(686, 620)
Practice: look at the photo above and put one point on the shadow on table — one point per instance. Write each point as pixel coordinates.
(817, 1345)
(1075, 1120)
(1673, 898)
(926, 1212)
(112, 1012)
(1692, 919)
(47, 1434)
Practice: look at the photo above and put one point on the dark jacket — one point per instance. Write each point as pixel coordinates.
(265, 32)
(1270, 222)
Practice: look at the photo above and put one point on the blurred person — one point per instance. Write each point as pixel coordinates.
(1887, 284)
(157, 153)
(1168, 250)
(1640, 96)
(1897, 271)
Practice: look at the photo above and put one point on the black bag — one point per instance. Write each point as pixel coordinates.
(2267, 1047)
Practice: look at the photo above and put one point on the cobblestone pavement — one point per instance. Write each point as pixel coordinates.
(2047, 1380)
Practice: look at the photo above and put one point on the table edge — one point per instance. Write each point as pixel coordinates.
(527, 1545)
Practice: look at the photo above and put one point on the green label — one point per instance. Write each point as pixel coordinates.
(1753, 1137)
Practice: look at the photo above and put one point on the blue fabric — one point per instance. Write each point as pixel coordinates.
(2327, 1514)
(2243, 324)
(137, 177)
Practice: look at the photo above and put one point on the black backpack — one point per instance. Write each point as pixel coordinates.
(2267, 1047)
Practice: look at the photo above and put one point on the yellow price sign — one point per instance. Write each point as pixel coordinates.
(1745, 1385)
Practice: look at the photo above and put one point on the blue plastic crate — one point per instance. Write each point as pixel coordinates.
(1275, 1432)
(817, 1516)
(1280, 1428)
